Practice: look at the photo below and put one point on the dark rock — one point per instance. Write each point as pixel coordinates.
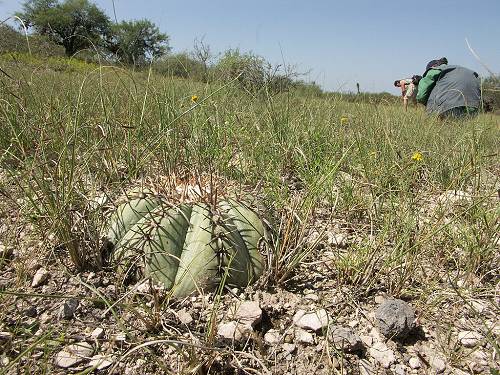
(395, 319)
(31, 312)
(68, 309)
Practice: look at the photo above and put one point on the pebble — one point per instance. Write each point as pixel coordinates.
(304, 337)
(338, 240)
(367, 340)
(379, 299)
(143, 287)
(110, 290)
(97, 333)
(345, 339)
(382, 354)
(272, 337)
(101, 362)
(289, 348)
(469, 339)
(438, 364)
(478, 307)
(184, 317)
(98, 201)
(119, 337)
(414, 363)
(41, 276)
(73, 354)
(68, 309)
(395, 318)
(481, 358)
(311, 297)
(233, 331)
(399, 370)
(248, 313)
(353, 323)
(313, 321)
(31, 312)
(476, 368)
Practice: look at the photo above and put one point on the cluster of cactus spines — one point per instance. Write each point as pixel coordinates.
(191, 246)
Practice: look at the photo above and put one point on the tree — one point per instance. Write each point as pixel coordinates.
(203, 55)
(74, 24)
(137, 42)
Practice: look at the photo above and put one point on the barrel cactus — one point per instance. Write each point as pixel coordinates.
(188, 247)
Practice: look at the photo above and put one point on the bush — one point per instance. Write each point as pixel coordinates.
(247, 68)
(308, 88)
(179, 65)
(491, 94)
(254, 73)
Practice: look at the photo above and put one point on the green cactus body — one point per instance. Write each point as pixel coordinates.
(128, 214)
(189, 247)
(198, 259)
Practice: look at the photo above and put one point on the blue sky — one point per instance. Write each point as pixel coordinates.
(339, 42)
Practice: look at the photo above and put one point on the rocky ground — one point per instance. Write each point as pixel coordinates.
(54, 320)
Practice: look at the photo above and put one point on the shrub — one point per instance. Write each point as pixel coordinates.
(254, 73)
(247, 68)
(491, 93)
(179, 65)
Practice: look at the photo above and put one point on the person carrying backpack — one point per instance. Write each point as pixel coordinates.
(449, 90)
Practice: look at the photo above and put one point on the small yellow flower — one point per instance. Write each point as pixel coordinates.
(417, 156)
(373, 154)
(344, 120)
(194, 98)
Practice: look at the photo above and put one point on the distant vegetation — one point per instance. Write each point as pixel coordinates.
(491, 93)
(13, 41)
(81, 30)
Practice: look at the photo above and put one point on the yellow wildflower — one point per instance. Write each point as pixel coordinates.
(344, 120)
(417, 156)
(194, 98)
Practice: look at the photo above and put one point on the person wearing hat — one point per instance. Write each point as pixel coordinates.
(449, 90)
